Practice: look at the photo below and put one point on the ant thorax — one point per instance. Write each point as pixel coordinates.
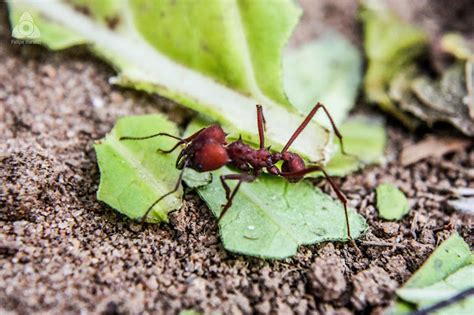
(244, 157)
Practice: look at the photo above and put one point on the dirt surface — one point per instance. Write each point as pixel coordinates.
(62, 251)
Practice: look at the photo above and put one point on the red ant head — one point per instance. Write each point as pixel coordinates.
(292, 163)
(210, 156)
(213, 132)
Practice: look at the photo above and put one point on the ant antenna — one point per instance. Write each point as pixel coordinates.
(151, 136)
(180, 140)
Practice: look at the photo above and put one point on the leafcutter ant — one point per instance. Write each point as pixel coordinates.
(208, 150)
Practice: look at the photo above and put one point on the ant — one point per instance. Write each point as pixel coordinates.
(208, 150)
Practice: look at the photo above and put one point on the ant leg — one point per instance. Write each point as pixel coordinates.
(224, 184)
(306, 122)
(261, 126)
(230, 195)
(336, 189)
(175, 189)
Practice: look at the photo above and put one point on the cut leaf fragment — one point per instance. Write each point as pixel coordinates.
(451, 255)
(391, 202)
(133, 173)
(447, 272)
(454, 283)
(220, 62)
(270, 217)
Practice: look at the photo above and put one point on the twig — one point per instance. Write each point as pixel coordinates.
(458, 297)
(375, 243)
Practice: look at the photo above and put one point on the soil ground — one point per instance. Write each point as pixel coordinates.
(62, 251)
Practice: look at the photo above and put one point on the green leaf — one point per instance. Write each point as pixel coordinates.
(456, 282)
(390, 45)
(133, 173)
(217, 57)
(329, 70)
(451, 255)
(270, 217)
(364, 141)
(448, 271)
(195, 179)
(391, 202)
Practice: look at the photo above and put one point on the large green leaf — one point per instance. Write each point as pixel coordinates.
(133, 173)
(217, 57)
(329, 70)
(448, 271)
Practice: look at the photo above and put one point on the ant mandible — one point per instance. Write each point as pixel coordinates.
(208, 150)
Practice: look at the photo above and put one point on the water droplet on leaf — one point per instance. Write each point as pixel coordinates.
(251, 233)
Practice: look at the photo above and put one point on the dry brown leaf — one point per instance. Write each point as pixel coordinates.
(470, 87)
(441, 100)
(432, 147)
